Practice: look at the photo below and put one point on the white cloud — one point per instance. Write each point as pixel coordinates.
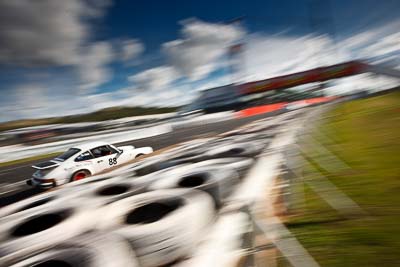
(131, 49)
(268, 56)
(196, 55)
(60, 33)
(154, 79)
(385, 46)
(378, 45)
(37, 102)
(93, 68)
(201, 48)
(27, 100)
(156, 87)
(45, 32)
(172, 97)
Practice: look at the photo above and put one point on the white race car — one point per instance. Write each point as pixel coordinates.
(82, 161)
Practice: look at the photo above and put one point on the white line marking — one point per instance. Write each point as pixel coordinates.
(289, 246)
(336, 198)
(5, 192)
(325, 158)
(7, 188)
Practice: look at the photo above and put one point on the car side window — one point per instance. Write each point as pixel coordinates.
(101, 151)
(113, 150)
(84, 156)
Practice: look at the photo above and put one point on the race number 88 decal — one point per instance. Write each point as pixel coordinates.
(112, 161)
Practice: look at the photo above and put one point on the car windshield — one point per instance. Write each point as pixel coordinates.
(69, 153)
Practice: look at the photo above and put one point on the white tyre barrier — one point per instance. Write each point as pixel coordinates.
(142, 168)
(189, 156)
(239, 164)
(44, 228)
(217, 181)
(157, 223)
(37, 202)
(223, 246)
(245, 149)
(260, 128)
(189, 145)
(108, 192)
(263, 138)
(147, 180)
(89, 250)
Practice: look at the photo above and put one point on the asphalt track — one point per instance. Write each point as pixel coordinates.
(12, 177)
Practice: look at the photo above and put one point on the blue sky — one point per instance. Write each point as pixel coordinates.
(83, 55)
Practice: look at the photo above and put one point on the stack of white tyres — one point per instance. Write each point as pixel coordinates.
(43, 228)
(187, 146)
(38, 202)
(217, 181)
(244, 149)
(161, 226)
(111, 191)
(187, 156)
(263, 139)
(239, 164)
(141, 168)
(89, 250)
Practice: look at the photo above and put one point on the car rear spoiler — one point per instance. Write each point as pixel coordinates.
(46, 165)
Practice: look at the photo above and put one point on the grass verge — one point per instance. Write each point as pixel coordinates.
(365, 135)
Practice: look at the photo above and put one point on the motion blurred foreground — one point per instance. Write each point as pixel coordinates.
(270, 193)
(191, 205)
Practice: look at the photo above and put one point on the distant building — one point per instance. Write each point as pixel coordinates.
(215, 99)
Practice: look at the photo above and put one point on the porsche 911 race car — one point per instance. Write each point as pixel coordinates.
(82, 161)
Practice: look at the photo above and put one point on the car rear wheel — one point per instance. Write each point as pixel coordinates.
(79, 175)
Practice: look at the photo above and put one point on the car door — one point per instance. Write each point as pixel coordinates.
(104, 157)
(85, 160)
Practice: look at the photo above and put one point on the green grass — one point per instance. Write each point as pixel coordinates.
(366, 136)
